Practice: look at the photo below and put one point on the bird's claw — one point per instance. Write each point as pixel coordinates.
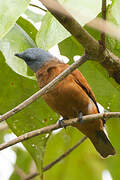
(80, 119)
(61, 123)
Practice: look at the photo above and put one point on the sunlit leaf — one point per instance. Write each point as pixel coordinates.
(16, 40)
(10, 10)
(82, 10)
(35, 17)
(24, 24)
(51, 32)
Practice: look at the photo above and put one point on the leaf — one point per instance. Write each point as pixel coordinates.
(24, 24)
(16, 40)
(14, 90)
(35, 17)
(51, 32)
(10, 10)
(113, 15)
(82, 10)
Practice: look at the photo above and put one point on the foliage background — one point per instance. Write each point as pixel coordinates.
(22, 28)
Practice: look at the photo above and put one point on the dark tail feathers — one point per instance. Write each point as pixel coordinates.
(102, 144)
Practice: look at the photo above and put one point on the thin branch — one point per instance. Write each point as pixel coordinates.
(95, 51)
(37, 132)
(44, 90)
(31, 176)
(64, 155)
(57, 160)
(38, 7)
(52, 127)
(102, 38)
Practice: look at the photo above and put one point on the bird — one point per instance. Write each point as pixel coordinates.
(70, 97)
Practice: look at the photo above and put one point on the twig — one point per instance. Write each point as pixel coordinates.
(38, 7)
(64, 155)
(50, 128)
(31, 176)
(44, 90)
(102, 38)
(57, 160)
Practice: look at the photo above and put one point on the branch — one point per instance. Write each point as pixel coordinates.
(66, 123)
(102, 39)
(57, 160)
(45, 89)
(95, 51)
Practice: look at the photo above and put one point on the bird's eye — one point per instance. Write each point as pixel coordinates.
(27, 59)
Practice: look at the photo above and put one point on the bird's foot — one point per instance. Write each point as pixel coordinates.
(61, 122)
(80, 119)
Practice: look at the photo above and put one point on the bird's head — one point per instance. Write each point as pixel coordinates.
(35, 58)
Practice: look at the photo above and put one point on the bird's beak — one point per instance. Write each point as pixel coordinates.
(19, 55)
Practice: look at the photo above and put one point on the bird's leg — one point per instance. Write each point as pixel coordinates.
(61, 122)
(80, 115)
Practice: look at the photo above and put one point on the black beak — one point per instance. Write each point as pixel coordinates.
(19, 55)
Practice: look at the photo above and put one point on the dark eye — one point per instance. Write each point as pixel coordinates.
(27, 59)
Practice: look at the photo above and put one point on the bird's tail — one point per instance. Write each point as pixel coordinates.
(102, 144)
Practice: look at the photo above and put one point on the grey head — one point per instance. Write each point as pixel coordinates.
(35, 57)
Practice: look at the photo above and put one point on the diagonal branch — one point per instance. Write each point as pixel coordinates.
(52, 127)
(95, 51)
(57, 160)
(44, 90)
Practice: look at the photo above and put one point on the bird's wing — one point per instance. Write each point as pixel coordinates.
(81, 81)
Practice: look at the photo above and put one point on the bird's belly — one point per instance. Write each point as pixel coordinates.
(68, 100)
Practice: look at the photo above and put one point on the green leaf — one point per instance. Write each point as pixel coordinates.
(16, 40)
(113, 15)
(24, 24)
(51, 32)
(35, 17)
(14, 90)
(82, 10)
(10, 10)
